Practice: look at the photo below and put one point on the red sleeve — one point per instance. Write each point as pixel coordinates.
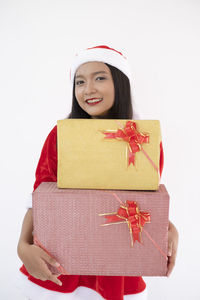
(161, 158)
(47, 165)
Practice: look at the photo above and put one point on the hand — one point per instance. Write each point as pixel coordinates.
(172, 247)
(34, 259)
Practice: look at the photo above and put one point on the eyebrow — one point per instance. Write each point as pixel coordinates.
(92, 74)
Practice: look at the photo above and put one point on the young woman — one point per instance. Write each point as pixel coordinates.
(101, 88)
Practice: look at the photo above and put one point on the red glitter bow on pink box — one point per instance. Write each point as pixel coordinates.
(134, 138)
(130, 214)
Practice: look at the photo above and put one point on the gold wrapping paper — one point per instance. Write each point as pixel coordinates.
(88, 160)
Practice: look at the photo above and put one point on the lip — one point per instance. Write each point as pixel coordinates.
(92, 99)
(94, 102)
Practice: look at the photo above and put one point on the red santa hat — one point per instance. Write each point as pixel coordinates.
(108, 55)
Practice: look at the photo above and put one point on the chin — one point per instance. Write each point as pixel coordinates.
(101, 114)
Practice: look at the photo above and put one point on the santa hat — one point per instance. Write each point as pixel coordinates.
(108, 55)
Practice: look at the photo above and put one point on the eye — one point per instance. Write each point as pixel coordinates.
(79, 82)
(101, 78)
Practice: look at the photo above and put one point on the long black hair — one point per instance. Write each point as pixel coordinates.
(122, 107)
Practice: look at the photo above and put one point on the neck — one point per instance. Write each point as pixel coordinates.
(99, 117)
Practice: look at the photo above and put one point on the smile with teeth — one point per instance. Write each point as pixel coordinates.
(94, 100)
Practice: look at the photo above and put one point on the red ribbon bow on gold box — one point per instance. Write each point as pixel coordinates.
(134, 138)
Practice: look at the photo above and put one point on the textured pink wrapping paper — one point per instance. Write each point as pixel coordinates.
(67, 224)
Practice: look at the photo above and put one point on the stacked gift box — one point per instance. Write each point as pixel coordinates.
(108, 213)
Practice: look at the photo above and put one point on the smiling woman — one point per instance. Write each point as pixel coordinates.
(94, 93)
(101, 88)
(114, 81)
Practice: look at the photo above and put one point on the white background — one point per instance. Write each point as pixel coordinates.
(161, 40)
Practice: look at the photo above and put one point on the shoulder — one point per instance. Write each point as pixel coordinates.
(52, 136)
(53, 132)
(51, 140)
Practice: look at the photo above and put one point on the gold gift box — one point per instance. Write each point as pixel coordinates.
(88, 160)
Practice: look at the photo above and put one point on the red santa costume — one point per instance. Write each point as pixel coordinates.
(81, 286)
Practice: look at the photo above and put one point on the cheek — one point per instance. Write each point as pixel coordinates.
(111, 93)
(78, 94)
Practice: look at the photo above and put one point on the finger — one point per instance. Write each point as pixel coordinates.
(54, 279)
(171, 263)
(49, 276)
(52, 261)
(45, 273)
(169, 251)
(57, 275)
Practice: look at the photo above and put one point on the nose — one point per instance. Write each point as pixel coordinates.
(90, 88)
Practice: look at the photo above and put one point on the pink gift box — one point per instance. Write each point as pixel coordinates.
(68, 225)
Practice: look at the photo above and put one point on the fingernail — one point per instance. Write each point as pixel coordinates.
(60, 283)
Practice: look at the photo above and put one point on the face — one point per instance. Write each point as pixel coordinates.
(94, 88)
